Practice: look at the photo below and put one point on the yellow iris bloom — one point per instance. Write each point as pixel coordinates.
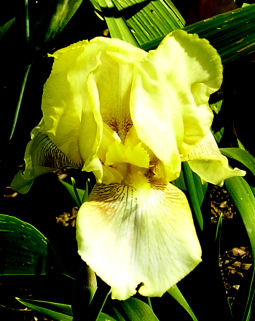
(131, 117)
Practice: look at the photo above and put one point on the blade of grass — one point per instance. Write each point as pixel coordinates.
(78, 195)
(218, 236)
(177, 295)
(64, 11)
(5, 27)
(17, 111)
(27, 29)
(192, 193)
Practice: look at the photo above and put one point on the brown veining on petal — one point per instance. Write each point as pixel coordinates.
(120, 126)
(47, 154)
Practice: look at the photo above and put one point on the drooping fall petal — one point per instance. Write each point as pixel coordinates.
(138, 237)
(41, 156)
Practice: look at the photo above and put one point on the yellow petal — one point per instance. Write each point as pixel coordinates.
(89, 84)
(169, 99)
(157, 125)
(64, 96)
(120, 153)
(111, 175)
(206, 160)
(91, 129)
(114, 80)
(192, 68)
(139, 237)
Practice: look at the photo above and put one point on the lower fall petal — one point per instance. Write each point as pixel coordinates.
(41, 156)
(138, 238)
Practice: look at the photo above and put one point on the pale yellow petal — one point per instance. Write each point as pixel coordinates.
(114, 80)
(139, 237)
(157, 126)
(64, 96)
(111, 175)
(192, 69)
(91, 129)
(88, 79)
(206, 160)
(170, 92)
(120, 153)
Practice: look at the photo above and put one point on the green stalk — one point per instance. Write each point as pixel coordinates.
(17, 111)
(192, 193)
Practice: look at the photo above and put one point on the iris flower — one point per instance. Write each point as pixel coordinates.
(132, 117)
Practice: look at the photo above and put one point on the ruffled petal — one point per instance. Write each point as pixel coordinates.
(89, 85)
(91, 129)
(206, 160)
(157, 125)
(64, 96)
(172, 85)
(138, 237)
(114, 80)
(120, 153)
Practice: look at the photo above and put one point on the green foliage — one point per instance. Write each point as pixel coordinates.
(23, 249)
(6, 26)
(242, 156)
(177, 295)
(134, 310)
(139, 22)
(78, 195)
(196, 192)
(56, 311)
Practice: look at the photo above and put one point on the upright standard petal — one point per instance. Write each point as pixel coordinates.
(138, 238)
(171, 88)
(89, 85)
(206, 160)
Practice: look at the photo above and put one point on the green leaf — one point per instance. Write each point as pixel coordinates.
(27, 28)
(56, 311)
(241, 156)
(78, 195)
(21, 94)
(231, 33)
(177, 295)
(244, 200)
(105, 317)
(23, 249)
(218, 234)
(134, 310)
(117, 25)
(5, 27)
(65, 9)
(196, 192)
(138, 21)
